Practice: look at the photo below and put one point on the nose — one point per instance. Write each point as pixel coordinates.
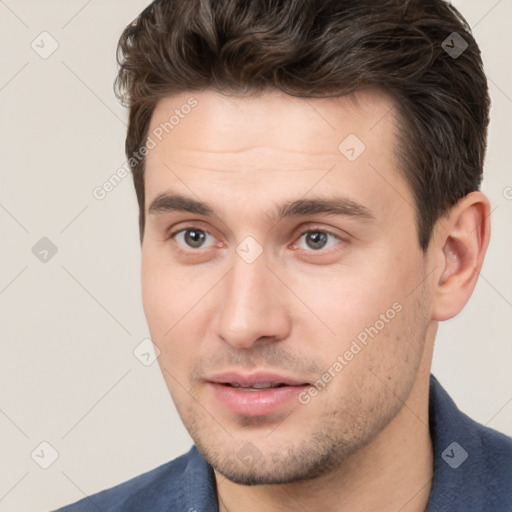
(252, 305)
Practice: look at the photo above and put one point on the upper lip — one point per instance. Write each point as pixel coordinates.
(259, 377)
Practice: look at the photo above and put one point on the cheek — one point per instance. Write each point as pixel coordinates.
(176, 304)
(155, 294)
(167, 292)
(370, 314)
(349, 301)
(164, 299)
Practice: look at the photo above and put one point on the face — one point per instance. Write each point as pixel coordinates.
(282, 277)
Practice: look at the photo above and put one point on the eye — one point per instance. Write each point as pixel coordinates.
(317, 240)
(192, 238)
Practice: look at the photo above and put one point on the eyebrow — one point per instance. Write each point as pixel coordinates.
(342, 206)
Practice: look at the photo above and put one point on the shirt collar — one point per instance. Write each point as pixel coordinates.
(459, 461)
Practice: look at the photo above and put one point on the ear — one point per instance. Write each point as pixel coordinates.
(459, 247)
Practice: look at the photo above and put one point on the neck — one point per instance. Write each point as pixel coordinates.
(393, 472)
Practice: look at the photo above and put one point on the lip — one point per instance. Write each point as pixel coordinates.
(255, 403)
(248, 379)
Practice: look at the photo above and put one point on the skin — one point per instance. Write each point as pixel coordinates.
(362, 443)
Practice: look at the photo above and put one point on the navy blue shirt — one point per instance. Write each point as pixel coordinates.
(472, 472)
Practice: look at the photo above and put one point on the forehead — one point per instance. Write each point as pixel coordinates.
(272, 145)
(301, 123)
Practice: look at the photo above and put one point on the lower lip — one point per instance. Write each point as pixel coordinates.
(255, 403)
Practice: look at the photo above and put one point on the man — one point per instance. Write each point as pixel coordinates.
(308, 179)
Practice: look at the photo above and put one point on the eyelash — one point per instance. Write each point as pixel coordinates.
(305, 232)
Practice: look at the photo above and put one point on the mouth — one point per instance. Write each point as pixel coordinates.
(257, 394)
(260, 379)
(257, 386)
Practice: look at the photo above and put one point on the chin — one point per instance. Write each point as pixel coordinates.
(288, 464)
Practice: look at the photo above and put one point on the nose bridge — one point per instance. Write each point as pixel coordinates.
(250, 307)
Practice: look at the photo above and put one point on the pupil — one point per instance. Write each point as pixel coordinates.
(194, 237)
(316, 239)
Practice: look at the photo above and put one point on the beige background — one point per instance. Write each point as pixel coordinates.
(69, 326)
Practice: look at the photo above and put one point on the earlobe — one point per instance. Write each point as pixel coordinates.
(461, 246)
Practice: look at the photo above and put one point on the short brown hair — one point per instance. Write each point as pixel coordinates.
(320, 49)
